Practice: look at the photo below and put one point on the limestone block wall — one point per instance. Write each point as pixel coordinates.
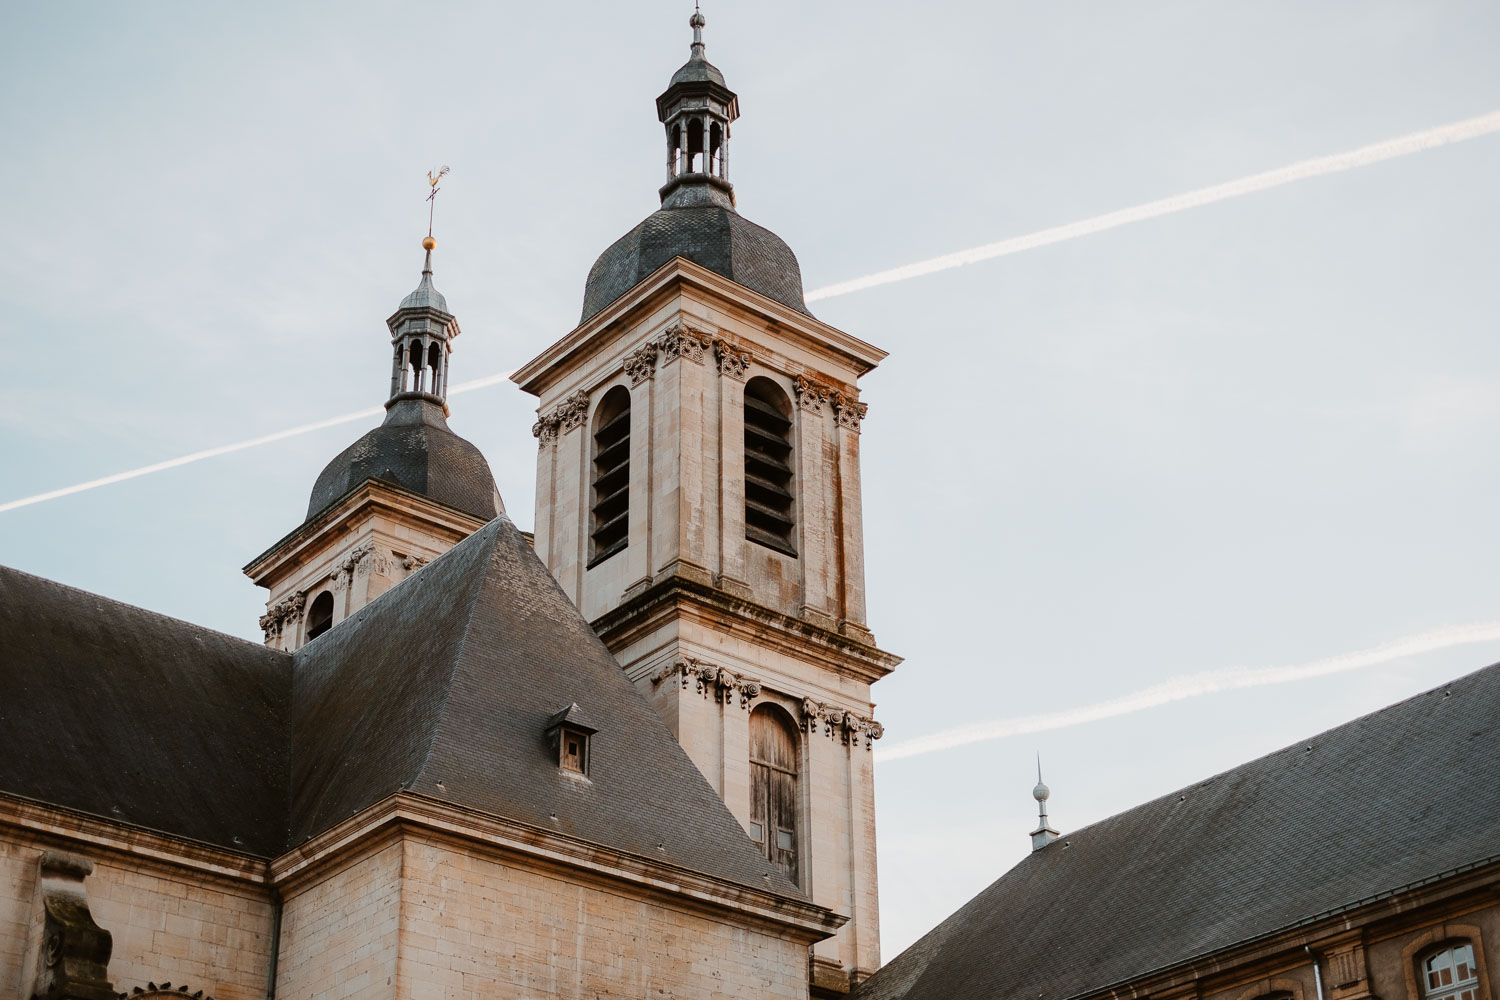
(168, 923)
(473, 926)
(340, 936)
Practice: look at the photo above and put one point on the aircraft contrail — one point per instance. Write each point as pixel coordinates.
(225, 449)
(1416, 142)
(1192, 686)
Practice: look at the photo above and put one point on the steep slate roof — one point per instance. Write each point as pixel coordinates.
(137, 717)
(708, 234)
(448, 677)
(1379, 803)
(413, 448)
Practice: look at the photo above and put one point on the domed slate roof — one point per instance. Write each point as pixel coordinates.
(413, 449)
(698, 70)
(710, 235)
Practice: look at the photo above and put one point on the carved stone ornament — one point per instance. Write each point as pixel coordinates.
(848, 411)
(67, 957)
(572, 411)
(710, 679)
(164, 990)
(680, 341)
(277, 616)
(811, 394)
(365, 559)
(851, 728)
(545, 428)
(414, 562)
(640, 364)
(733, 362)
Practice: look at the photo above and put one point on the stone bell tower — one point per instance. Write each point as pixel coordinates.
(400, 496)
(698, 496)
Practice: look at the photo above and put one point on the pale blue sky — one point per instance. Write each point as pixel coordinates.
(1258, 433)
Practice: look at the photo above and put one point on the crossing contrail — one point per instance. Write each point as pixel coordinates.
(225, 449)
(1193, 686)
(1416, 142)
(1390, 149)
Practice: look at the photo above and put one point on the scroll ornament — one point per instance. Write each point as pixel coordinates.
(640, 364)
(849, 727)
(848, 411)
(811, 394)
(682, 341)
(733, 362)
(710, 679)
(279, 614)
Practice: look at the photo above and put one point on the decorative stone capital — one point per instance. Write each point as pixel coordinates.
(710, 679)
(572, 411)
(733, 362)
(640, 364)
(811, 394)
(280, 614)
(414, 562)
(545, 428)
(848, 411)
(67, 957)
(682, 341)
(850, 727)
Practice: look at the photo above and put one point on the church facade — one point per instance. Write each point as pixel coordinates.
(630, 755)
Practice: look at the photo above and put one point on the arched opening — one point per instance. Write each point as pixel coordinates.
(435, 362)
(610, 531)
(716, 150)
(414, 362)
(674, 162)
(320, 615)
(773, 787)
(1449, 973)
(695, 146)
(768, 466)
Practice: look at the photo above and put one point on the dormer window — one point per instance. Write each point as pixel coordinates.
(568, 735)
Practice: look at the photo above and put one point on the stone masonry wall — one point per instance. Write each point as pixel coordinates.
(339, 936)
(168, 924)
(475, 927)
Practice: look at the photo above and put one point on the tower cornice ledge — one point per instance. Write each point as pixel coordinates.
(672, 278)
(679, 597)
(423, 817)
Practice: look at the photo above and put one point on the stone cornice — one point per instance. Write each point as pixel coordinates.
(412, 814)
(678, 596)
(368, 497)
(671, 277)
(115, 841)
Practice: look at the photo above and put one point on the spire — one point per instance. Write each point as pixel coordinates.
(697, 109)
(1043, 834)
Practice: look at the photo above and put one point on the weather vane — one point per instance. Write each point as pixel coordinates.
(432, 182)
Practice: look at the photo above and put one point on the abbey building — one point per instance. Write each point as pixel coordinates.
(630, 756)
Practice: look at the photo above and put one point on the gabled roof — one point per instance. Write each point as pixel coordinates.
(1375, 805)
(442, 686)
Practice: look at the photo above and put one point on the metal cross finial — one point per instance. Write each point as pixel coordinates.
(432, 182)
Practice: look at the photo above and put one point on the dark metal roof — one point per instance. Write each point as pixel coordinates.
(145, 719)
(442, 686)
(697, 70)
(707, 233)
(1377, 804)
(415, 449)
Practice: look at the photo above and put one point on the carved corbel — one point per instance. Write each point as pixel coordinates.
(682, 341)
(848, 411)
(733, 362)
(811, 394)
(572, 411)
(640, 364)
(708, 678)
(414, 562)
(67, 957)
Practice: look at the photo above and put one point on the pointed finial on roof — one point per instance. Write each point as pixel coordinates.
(1043, 834)
(697, 23)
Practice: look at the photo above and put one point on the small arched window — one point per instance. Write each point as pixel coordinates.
(610, 531)
(773, 787)
(320, 615)
(1449, 973)
(768, 466)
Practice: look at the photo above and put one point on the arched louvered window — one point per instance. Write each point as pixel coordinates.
(610, 531)
(320, 615)
(773, 787)
(1450, 974)
(768, 466)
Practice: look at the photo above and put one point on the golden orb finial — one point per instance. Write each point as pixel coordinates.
(428, 243)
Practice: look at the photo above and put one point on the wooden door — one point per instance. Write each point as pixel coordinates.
(773, 788)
